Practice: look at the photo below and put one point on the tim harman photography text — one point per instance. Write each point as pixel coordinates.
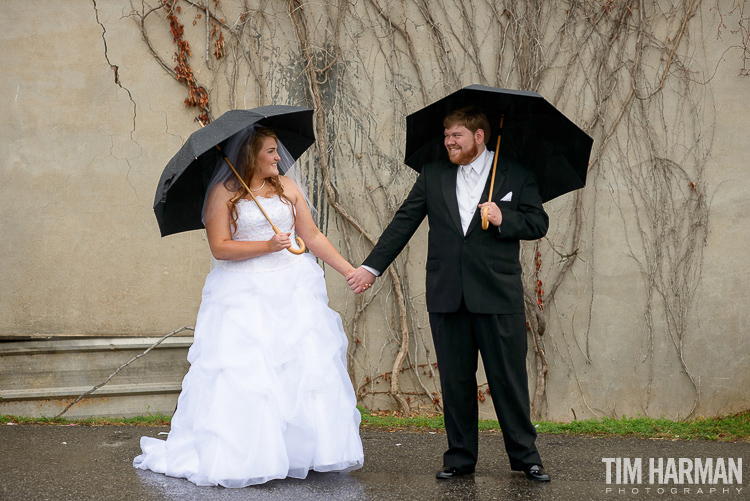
(709, 475)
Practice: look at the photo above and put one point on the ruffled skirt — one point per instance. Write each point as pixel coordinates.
(267, 395)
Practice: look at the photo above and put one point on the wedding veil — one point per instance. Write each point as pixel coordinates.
(234, 151)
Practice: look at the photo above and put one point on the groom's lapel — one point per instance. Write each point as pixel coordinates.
(448, 182)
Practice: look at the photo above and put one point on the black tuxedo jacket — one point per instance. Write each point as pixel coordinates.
(483, 265)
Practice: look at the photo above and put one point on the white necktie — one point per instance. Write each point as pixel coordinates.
(471, 176)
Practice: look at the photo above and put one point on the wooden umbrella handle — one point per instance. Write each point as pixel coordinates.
(298, 240)
(486, 210)
(301, 247)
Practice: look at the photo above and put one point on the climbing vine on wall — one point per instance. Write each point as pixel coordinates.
(620, 69)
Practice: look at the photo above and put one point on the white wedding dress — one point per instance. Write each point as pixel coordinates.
(267, 395)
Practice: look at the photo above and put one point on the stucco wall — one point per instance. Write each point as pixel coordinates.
(83, 146)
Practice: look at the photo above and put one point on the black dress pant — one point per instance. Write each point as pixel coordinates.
(501, 339)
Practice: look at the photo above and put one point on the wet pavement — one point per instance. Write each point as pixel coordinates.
(81, 462)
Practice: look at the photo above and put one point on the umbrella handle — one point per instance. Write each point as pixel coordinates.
(485, 220)
(486, 210)
(299, 241)
(275, 228)
(301, 249)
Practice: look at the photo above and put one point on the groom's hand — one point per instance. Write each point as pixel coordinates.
(360, 280)
(494, 214)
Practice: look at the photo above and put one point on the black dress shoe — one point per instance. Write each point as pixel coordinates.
(536, 473)
(450, 472)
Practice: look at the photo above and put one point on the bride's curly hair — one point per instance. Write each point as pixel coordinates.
(248, 160)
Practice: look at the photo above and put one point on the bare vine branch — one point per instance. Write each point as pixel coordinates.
(609, 65)
(92, 390)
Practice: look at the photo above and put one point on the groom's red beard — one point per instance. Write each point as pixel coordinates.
(463, 157)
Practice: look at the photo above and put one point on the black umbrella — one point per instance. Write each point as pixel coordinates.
(534, 133)
(183, 184)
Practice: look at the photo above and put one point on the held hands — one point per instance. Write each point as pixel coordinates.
(495, 215)
(278, 242)
(360, 280)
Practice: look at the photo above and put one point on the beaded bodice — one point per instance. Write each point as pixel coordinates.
(252, 225)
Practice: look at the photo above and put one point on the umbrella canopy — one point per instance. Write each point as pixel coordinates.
(182, 187)
(534, 133)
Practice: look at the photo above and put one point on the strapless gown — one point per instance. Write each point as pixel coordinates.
(267, 395)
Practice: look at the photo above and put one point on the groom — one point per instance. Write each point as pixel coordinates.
(474, 292)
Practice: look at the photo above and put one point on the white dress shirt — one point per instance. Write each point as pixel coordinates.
(468, 196)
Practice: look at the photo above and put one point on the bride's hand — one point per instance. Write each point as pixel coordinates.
(360, 280)
(278, 242)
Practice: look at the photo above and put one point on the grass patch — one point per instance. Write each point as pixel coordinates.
(731, 429)
(389, 419)
(149, 420)
(734, 428)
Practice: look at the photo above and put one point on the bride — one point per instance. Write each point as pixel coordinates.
(267, 395)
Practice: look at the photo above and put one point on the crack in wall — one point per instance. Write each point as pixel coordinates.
(115, 68)
(127, 178)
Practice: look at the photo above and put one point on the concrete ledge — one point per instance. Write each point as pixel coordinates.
(106, 390)
(96, 344)
(41, 377)
(118, 406)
